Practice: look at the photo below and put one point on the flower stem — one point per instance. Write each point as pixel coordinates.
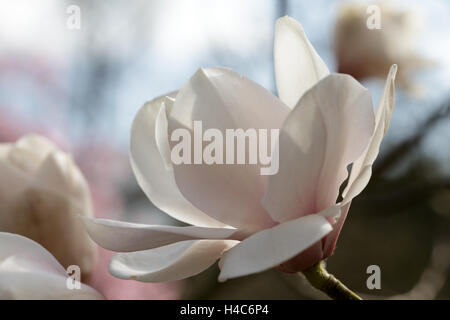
(320, 279)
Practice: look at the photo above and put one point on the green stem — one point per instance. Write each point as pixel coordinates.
(320, 279)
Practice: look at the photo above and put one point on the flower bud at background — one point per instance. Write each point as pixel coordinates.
(369, 52)
(42, 192)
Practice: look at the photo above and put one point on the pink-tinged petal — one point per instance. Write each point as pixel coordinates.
(297, 65)
(222, 99)
(332, 237)
(28, 271)
(173, 262)
(271, 247)
(304, 260)
(161, 132)
(126, 237)
(328, 129)
(362, 167)
(154, 173)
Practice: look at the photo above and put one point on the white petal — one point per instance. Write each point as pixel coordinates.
(297, 65)
(152, 172)
(332, 237)
(328, 129)
(173, 262)
(161, 131)
(362, 167)
(29, 152)
(28, 271)
(35, 143)
(271, 247)
(125, 237)
(58, 174)
(222, 99)
(19, 161)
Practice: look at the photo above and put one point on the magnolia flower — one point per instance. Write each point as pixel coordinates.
(28, 271)
(251, 222)
(42, 192)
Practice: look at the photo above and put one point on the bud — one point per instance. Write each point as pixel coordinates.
(42, 192)
(368, 39)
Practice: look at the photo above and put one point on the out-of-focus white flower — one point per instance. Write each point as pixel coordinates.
(42, 192)
(369, 52)
(249, 221)
(29, 272)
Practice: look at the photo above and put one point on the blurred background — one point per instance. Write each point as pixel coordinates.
(81, 87)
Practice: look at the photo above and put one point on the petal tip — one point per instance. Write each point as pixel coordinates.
(393, 71)
(222, 278)
(290, 23)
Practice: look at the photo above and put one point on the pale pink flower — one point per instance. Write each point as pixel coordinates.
(249, 221)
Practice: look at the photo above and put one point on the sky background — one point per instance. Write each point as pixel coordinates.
(91, 82)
